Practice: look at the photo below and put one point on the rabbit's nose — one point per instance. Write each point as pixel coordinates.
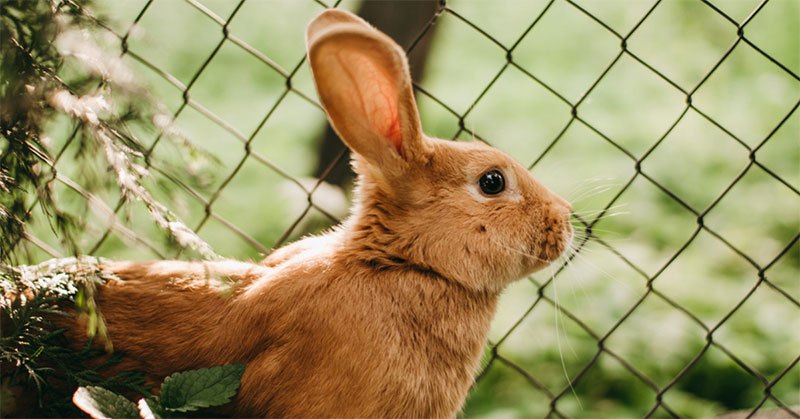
(561, 206)
(565, 213)
(564, 204)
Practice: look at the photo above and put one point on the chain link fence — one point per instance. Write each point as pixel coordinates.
(592, 366)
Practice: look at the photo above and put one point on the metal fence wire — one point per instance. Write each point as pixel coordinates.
(559, 399)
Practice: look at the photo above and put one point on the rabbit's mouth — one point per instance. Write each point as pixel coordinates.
(555, 240)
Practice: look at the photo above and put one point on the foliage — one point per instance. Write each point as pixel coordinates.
(37, 352)
(26, 31)
(192, 390)
(98, 402)
(53, 69)
(181, 392)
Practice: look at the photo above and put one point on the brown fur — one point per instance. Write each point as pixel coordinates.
(387, 315)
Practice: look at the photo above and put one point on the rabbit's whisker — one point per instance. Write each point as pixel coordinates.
(583, 222)
(603, 234)
(563, 260)
(611, 214)
(593, 191)
(519, 252)
(581, 227)
(569, 262)
(559, 316)
(588, 184)
(583, 213)
(598, 190)
(585, 254)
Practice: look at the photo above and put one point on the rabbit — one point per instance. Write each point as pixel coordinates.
(387, 314)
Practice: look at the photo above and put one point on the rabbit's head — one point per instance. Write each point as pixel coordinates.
(463, 211)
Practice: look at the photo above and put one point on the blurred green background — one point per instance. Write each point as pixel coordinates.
(647, 235)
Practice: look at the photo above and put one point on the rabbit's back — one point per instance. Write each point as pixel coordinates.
(322, 333)
(166, 316)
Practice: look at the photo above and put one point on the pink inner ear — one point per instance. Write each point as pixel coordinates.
(376, 96)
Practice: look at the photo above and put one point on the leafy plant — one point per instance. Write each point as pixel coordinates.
(56, 68)
(98, 402)
(180, 392)
(34, 352)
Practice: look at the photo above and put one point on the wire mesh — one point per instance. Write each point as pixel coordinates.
(558, 398)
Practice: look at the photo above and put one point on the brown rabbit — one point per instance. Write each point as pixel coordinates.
(386, 315)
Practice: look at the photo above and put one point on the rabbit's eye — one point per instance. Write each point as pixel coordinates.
(492, 182)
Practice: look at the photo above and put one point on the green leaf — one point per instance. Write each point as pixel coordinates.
(192, 390)
(98, 402)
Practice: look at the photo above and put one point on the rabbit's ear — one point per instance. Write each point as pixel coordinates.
(364, 85)
(331, 17)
